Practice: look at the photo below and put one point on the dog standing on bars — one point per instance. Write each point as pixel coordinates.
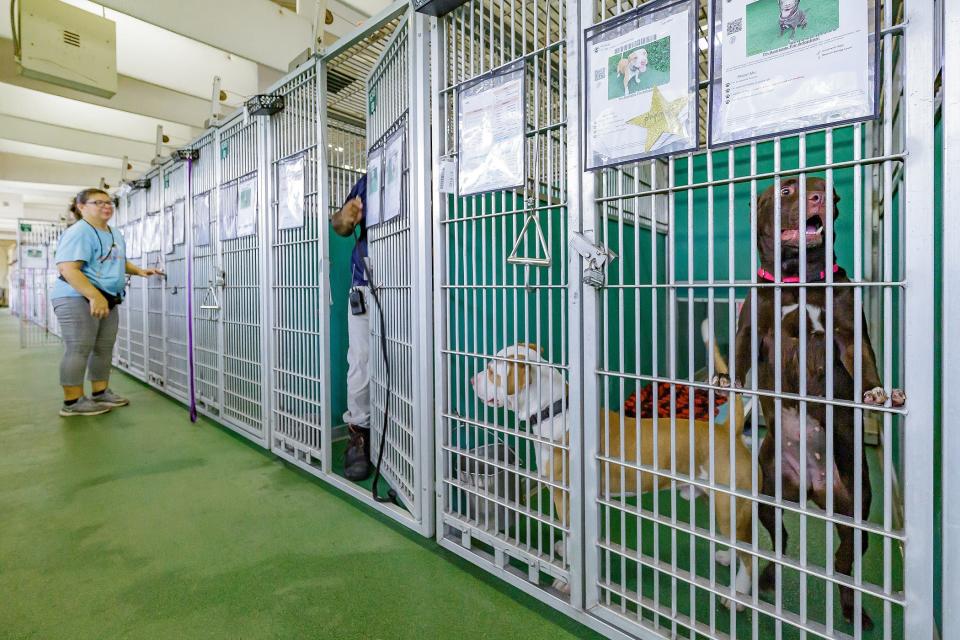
(792, 17)
(804, 226)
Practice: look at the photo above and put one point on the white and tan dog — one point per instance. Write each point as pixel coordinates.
(632, 67)
(521, 381)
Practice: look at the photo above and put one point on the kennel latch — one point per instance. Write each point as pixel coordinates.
(596, 257)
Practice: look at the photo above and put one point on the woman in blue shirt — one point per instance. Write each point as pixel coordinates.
(92, 260)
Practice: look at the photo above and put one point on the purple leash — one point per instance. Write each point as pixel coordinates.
(193, 385)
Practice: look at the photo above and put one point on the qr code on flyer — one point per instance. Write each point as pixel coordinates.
(599, 74)
(734, 26)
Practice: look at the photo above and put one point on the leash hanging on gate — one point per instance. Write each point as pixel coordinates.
(192, 375)
(391, 494)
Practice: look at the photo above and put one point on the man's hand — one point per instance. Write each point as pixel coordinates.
(146, 273)
(345, 220)
(98, 307)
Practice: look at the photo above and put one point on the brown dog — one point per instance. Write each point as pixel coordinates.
(519, 380)
(842, 343)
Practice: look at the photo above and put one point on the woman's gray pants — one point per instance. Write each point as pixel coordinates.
(88, 341)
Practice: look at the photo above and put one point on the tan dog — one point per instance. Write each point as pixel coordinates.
(521, 381)
(631, 67)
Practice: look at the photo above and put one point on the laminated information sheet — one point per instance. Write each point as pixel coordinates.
(785, 66)
(228, 211)
(151, 237)
(201, 219)
(491, 132)
(290, 193)
(168, 230)
(371, 215)
(34, 257)
(393, 175)
(642, 85)
(247, 207)
(132, 237)
(179, 222)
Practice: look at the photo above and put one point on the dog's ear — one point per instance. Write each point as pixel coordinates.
(535, 348)
(517, 375)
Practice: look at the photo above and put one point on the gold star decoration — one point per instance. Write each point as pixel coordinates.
(663, 117)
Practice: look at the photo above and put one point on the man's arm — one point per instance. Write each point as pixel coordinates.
(346, 219)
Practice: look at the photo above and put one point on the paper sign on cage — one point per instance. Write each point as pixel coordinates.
(642, 84)
(179, 222)
(228, 212)
(247, 207)
(393, 154)
(290, 205)
(371, 215)
(201, 219)
(784, 66)
(168, 230)
(492, 132)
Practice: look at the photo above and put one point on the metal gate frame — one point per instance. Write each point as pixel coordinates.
(454, 537)
(916, 197)
(918, 77)
(296, 438)
(950, 325)
(207, 287)
(30, 299)
(249, 431)
(121, 350)
(154, 298)
(136, 205)
(419, 161)
(175, 320)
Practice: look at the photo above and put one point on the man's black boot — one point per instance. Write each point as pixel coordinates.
(356, 461)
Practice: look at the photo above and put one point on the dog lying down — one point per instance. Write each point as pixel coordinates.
(519, 380)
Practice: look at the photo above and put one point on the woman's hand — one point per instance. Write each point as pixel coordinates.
(146, 273)
(98, 307)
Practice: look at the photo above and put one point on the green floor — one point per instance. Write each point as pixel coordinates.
(139, 524)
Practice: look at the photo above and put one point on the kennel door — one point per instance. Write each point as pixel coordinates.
(207, 281)
(296, 303)
(393, 382)
(240, 240)
(175, 282)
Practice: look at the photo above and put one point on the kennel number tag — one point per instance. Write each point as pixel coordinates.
(641, 85)
(785, 66)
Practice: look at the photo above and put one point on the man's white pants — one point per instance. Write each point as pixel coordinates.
(358, 367)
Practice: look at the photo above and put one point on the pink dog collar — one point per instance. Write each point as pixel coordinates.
(769, 277)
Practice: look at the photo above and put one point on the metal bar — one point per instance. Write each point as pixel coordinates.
(950, 332)
(918, 356)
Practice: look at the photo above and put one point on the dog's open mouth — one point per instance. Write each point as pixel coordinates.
(813, 233)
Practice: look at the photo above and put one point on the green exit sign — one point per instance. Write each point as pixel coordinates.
(26, 228)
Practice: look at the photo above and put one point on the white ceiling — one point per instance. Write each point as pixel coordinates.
(53, 140)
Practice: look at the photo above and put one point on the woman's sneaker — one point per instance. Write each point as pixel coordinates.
(83, 407)
(110, 399)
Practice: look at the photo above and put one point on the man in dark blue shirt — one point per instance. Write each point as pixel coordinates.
(346, 222)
